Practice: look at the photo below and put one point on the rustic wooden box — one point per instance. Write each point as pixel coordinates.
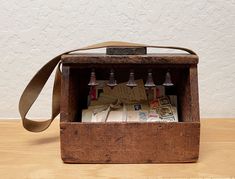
(154, 142)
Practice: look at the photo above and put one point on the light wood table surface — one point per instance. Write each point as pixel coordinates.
(37, 155)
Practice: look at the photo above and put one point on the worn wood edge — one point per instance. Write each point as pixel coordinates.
(131, 59)
(129, 123)
(101, 55)
(64, 123)
(71, 161)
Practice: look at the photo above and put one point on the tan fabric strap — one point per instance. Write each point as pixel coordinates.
(34, 88)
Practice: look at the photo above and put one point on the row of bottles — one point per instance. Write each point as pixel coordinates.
(131, 82)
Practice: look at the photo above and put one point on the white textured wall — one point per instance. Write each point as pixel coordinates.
(32, 32)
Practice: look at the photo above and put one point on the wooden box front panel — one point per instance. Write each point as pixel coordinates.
(129, 142)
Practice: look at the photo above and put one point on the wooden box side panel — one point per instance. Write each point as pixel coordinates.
(73, 94)
(195, 110)
(129, 142)
(188, 102)
(65, 88)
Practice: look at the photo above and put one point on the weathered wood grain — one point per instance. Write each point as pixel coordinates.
(129, 142)
(130, 59)
(194, 93)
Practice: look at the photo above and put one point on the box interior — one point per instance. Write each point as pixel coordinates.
(76, 78)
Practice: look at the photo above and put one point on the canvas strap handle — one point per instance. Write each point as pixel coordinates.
(35, 86)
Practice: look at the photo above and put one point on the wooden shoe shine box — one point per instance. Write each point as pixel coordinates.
(123, 142)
